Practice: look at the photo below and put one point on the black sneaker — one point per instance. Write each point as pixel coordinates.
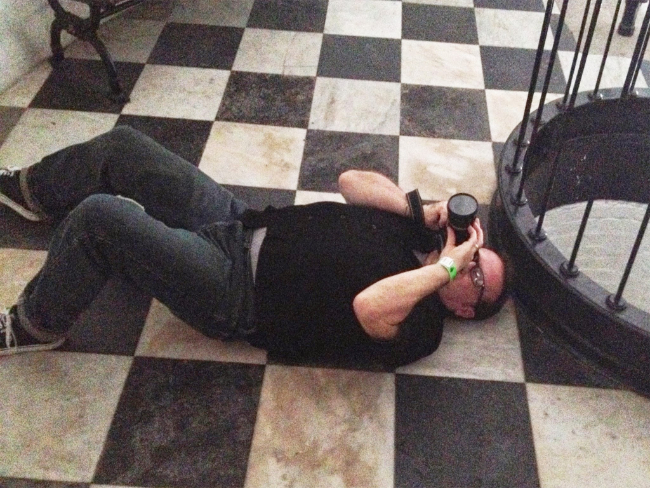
(12, 197)
(10, 343)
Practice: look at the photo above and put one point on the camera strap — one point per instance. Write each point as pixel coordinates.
(415, 205)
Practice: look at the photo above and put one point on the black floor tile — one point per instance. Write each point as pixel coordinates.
(530, 5)
(260, 198)
(113, 322)
(9, 116)
(197, 46)
(25, 483)
(294, 15)
(462, 433)
(19, 233)
(182, 424)
(184, 137)
(507, 68)
(267, 99)
(360, 58)
(439, 23)
(547, 360)
(328, 154)
(81, 84)
(449, 113)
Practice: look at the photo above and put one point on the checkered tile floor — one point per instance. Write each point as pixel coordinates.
(274, 98)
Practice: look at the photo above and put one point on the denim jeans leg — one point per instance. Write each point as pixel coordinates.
(126, 162)
(106, 236)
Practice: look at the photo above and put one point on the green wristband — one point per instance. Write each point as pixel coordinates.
(449, 265)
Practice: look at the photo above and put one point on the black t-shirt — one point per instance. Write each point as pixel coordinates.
(314, 260)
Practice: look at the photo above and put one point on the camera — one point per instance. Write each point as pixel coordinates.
(461, 210)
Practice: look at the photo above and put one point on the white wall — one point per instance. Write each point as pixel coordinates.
(25, 36)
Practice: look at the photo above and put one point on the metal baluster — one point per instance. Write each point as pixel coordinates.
(562, 105)
(549, 70)
(569, 269)
(538, 234)
(636, 57)
(595, 95)
(547, 80)
(615, 302)
(640, 61)
(515, 167)
(585, 52)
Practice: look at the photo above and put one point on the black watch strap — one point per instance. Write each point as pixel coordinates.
(415, 205)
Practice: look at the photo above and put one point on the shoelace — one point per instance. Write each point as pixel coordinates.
(7, 329)
(9, 171)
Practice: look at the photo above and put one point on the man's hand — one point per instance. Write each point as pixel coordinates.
(435, 215)
(464, 254)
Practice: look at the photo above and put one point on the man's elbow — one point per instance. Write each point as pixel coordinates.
(365, 310)
(348, 180)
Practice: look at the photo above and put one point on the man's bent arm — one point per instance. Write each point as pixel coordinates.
(384, 305)
(373, 190)
(381, 307)
(370, 189)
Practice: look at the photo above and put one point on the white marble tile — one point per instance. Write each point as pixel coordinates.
(55, 413)
(232, 13)
(590, 437)
(449, 3)
(320, 427)
(307, 197)
(356, 106)
(166, 336)
(280, 52)
(18, 267)
(442, 64)
(254, 155)
(614, 74)
(506, 110)
(40, 132)
(364, 18)
(180, 92)
(130, 40)
(510, 28)
(22, 93)
(439, 168)
(483, 350)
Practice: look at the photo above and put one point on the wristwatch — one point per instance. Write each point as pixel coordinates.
(448, 263)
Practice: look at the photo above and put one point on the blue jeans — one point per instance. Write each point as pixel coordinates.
(181, 242)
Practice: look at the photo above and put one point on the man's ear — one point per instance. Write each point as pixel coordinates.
(465, 312)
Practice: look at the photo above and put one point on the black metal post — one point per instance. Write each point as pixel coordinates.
(585, 52)
(562, 105)
(615, 302)
(595, 95)
(636, 57)
(515, 167)
(538, 234)
(640, 60)
(570, 269)
(549, 71)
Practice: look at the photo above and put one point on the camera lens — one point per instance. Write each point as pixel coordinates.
(462, 209)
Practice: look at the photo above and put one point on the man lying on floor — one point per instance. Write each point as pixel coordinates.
(298, 281)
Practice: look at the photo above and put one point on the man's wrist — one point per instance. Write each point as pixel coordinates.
(449, 264)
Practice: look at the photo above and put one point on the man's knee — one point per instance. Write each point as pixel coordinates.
(99, 209)
(124, 134)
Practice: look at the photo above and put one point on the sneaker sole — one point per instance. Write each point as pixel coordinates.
(32, 348)
(19, 209)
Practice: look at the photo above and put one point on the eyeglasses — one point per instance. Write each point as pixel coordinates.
(478, 278)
